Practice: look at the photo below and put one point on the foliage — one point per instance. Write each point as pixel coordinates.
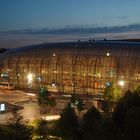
(42, 97)
(16, 119)
(17, 128)
(77, 102)
(104, 129)
(67, 126)
(80, 105)
(121, 115)
(46, 102)
(51, 101)
(112, 92)
(129, 100)
(132, 121)
(4, 131)
(40, 129)
(90, 120)
(73, 98)
(111, 96)
(53, 138)
(123, 124)
(137, 90)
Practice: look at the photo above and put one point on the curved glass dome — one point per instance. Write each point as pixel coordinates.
(81, 67)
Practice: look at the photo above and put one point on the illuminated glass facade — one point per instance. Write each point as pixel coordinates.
(81, 67)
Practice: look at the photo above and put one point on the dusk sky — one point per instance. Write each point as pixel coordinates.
(55, 14)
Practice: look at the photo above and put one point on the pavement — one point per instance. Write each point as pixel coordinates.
(15, 96)
(28, 101)
(31, 109)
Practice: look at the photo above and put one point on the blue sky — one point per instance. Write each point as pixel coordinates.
(28, 14)
(66, 20)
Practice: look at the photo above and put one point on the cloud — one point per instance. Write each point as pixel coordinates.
(19, 38)
(118, 17)
(122, 17)
(79, 30)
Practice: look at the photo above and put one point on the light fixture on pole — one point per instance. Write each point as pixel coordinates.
(121, 84)
(30, 79)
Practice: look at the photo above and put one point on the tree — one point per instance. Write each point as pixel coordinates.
(112, 92)
(40, 128)
(129, 100)
(137, 90)
(132, 124)
(4, 131)
(80, 105)
(17, 128)
(111, 96)
(90, 121)
(124, 105)
(104, 130)
(16, 119)
(77, 102)
(68, 124)
(46, 101)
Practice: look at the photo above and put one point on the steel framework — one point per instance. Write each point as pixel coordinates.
(81, 67)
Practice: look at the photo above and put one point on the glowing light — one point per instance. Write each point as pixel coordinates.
(53, 54)
(121, 83)
(31, 94)
(107, 54)
(39, 79)
(99, 75)
(52, 117)
(30, 77)
(53, 84)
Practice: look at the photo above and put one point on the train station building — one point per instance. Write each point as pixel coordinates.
(73, 67)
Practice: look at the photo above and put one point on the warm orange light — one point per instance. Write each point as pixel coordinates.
(30, 77)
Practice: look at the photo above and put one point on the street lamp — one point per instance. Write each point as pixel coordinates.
(107, 54)
(30, 79)
(121, 84)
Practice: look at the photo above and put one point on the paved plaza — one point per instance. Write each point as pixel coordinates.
(31, 109)
(15, 96)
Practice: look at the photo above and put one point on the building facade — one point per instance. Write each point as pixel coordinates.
(80, 67)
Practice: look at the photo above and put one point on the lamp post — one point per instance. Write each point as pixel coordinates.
(121, 84)
(30, 79)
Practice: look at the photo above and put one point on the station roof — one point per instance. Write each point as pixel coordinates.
(79, 45)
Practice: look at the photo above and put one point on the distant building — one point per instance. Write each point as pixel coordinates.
(80, 67)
